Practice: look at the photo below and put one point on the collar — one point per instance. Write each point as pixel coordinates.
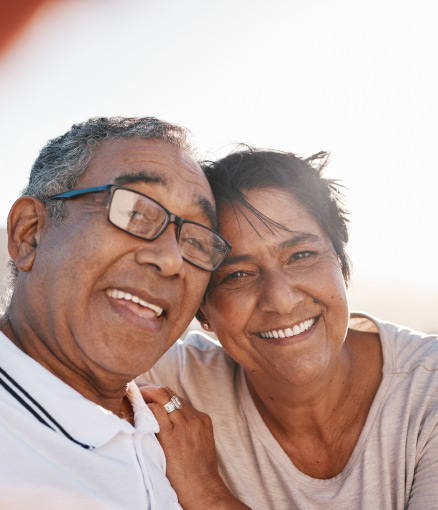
(85, 421)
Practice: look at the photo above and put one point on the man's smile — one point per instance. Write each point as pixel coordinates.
(126, 296)
(120, 294)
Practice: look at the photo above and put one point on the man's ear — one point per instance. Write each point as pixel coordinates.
(25, 223)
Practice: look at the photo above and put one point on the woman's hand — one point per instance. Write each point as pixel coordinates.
(186, 436)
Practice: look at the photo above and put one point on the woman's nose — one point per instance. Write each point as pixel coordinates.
(163, 253)
(279, 294)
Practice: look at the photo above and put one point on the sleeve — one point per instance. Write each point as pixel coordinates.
(424, 491)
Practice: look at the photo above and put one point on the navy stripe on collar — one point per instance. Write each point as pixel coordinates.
(36, 409)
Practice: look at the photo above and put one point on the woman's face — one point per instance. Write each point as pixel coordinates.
(278, 303)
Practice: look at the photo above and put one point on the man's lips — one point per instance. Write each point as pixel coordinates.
(126, 296)
(291, 331)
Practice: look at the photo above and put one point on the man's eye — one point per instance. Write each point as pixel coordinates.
(135, 215)
(194, 243)
(195, 236)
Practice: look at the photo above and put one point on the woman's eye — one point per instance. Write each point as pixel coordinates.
(301, 255)
(233, 280)
(235, 276)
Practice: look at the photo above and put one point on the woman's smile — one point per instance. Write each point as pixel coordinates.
(290, 331)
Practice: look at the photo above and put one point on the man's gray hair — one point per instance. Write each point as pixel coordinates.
(63, 160)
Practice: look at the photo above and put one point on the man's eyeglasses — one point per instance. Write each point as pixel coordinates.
(143, 217)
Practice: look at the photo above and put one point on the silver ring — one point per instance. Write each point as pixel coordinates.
(172, 405)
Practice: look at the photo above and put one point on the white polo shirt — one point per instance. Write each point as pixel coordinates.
(60, 450)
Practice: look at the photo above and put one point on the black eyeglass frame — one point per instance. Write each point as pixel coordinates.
(170, 217)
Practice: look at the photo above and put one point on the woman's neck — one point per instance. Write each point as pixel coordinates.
(318, 424)
(302, 407)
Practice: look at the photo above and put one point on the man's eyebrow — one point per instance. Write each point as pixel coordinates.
(141, 176)
(209, 211)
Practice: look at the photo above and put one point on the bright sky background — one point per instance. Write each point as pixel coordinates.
(356, 78)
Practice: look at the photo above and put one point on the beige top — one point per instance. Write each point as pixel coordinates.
(394, 464)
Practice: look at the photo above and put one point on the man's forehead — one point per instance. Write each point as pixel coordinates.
(123, 150)
(157, 157)
(156, 163)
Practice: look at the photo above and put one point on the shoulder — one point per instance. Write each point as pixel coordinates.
(412, 350)
(196, 349)
(191, 363)
(404, 350)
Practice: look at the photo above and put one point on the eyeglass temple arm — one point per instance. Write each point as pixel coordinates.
(84, 191)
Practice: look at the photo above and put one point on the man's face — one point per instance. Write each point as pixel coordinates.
(98, 291)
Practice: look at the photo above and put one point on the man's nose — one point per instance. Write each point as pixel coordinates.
(163, 253)
(279, 294)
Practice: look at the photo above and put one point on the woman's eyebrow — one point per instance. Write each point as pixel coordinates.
(299, 238)
(296, 239)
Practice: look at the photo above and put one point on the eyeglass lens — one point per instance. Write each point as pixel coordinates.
(142, 217)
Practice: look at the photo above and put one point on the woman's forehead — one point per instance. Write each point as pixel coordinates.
(270, 210)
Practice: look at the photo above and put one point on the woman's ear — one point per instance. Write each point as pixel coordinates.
(25, 223)
(202, 318)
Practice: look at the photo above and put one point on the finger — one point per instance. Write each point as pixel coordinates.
(171, 433)
(164, 397)
(156, 393)
(166, 426)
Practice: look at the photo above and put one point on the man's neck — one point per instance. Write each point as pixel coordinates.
(98, 385)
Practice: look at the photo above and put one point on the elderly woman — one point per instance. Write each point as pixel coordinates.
(311, 407)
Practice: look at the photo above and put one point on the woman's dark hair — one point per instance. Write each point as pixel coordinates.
(250, 169)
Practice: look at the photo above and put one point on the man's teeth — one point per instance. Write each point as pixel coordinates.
(119, 294)
(288, 332)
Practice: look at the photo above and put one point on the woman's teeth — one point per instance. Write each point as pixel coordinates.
(119, 294)
(288, 332)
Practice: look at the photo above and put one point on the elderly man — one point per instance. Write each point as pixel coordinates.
(113, 243)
